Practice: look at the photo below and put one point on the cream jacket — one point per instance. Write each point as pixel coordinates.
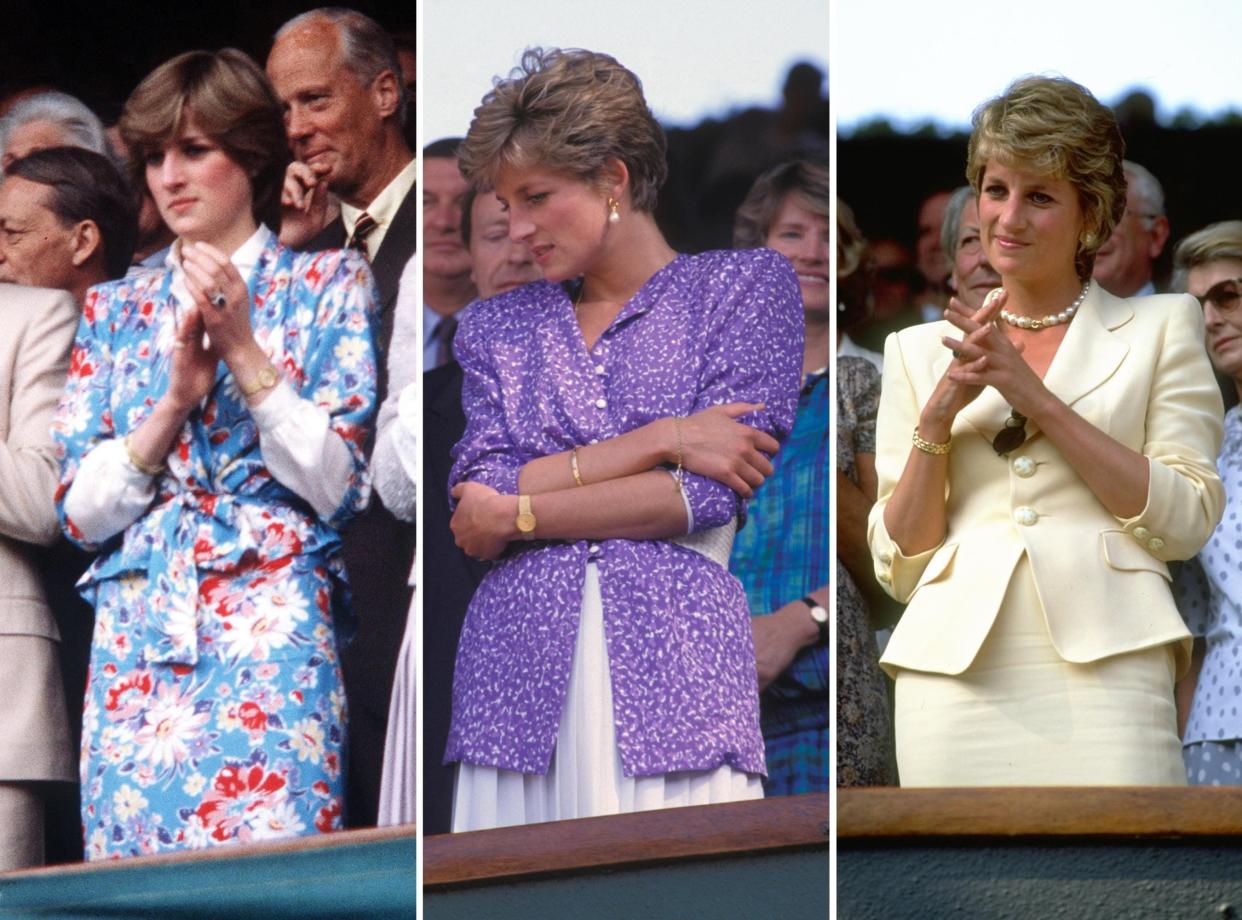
(36, 335)
(1137, 370)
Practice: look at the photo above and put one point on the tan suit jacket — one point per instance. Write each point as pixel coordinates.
(1137, 370)
(36, 335)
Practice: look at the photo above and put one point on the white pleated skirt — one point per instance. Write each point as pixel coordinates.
(397, 785)
(585, 778)
(1021, 715)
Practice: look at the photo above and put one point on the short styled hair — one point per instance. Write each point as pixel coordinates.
(231, 102)
(1221, 240)
(81, 126)
(951, 229)
(367, 48)
(854, 267)
(86, 185)
(806, 177)
(569, 111)
(1052, 126)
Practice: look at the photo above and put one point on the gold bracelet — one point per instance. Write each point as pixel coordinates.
(573, 467)
(679, 472)
(136, 462)
(931, 447)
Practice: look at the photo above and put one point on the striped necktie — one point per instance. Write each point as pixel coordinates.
(362, 229)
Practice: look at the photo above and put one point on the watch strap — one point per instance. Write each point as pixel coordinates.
(264, 380)
(813, 605)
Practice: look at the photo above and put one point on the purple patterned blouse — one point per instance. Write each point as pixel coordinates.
(704, 330)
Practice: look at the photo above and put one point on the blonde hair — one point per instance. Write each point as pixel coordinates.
(569, 111)
(1052, 126)
(231, 102)
(1222, 240)
(854, 270)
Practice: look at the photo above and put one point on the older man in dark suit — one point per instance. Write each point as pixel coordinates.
(337, 73)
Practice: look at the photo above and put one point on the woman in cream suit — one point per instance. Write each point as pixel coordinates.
(36, 334)
(1063, 452)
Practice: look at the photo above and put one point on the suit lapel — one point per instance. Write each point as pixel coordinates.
(1090, 354)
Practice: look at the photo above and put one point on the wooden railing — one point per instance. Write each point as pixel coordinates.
(626, 841)
(1089, 812)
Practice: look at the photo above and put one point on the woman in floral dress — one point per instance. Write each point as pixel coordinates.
(211, 446)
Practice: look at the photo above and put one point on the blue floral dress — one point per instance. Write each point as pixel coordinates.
(215, 712)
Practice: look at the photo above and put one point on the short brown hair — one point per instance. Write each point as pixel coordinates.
(569, 111)
(231, 102)
(806, 177)
(1054, 127)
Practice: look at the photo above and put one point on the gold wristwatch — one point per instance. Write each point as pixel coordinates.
(525, 518)
(266, 379)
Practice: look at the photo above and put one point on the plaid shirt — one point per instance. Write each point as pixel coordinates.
(782, 555)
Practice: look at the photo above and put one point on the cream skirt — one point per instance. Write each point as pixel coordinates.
(1021, 715)
(589, 781)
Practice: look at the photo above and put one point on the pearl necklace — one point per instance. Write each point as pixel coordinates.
(1056, 319)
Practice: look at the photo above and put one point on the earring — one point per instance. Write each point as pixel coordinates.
(1088, 240)
(614, 211)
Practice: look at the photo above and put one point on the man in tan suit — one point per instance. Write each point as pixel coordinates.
(36, 334)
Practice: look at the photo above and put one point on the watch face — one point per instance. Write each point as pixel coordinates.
(819, 614)
(526, 522)
(267, 376)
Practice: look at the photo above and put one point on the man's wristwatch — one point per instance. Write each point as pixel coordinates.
(819, 613)
(525, 518)
(265, 380)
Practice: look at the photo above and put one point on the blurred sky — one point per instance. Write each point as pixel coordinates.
(918, 61)
(696, 58)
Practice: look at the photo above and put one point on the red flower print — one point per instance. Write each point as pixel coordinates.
(79, 366)
(328, 816)
(139, 682)
(254, 718)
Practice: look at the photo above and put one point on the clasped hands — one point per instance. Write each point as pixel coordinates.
(209, 274)
(984, 356)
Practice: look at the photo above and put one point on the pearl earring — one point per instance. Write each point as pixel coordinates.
(614, 211)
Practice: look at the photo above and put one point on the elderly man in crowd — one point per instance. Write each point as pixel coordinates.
(336, 71)
(68, 221)
(49, 119)
(1124, 266)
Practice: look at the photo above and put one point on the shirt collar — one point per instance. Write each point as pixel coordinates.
(245, 258)
(384, 208)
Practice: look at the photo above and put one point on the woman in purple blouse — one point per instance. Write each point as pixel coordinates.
(614, 432)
